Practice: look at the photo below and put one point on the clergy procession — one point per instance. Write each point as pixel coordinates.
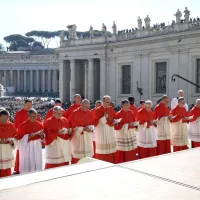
(102, 133)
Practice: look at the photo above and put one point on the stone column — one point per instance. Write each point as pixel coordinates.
(5, 78)
(54, 80)
(73, 79)
(37, 80)
(49, 80)
(25, 83)
(0, 77)
(11, 78)
(18, 80)
(31, 80)
(90, 80)
(43, 80)
(102, 78)
(64, 80)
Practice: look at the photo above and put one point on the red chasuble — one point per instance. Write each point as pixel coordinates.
(180, 113)
(81, 118)
(195, 112)
(100, 112)
(163, 146)
(29, 127)
(134, 109)
(6, 131)
(70, 110)
(127, 117)
(21, 116)
(144, 116)
(51, 128)
(49, 114)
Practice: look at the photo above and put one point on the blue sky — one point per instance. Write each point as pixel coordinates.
(21, 16)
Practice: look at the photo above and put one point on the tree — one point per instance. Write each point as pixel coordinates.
(17, 41)
(44, 36)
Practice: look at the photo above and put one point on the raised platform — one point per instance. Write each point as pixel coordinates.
(171, 177)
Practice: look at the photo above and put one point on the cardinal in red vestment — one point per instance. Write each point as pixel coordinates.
(179, 131)
(98, 103)
(7, 144)
(82, 123)
(49, 114)
(20, 117)
(126, 134)
(30, 135)
(132, 105)
(194, 125)
(104, 131)
(146, 138)
(162, 114)
(58, 147)
(77, 104)
(142, 102)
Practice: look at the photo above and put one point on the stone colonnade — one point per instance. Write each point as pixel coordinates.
(23, 80)
(85, 77)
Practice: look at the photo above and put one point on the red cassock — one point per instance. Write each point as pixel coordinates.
(124, 142)
(6, 131)
(20, 117)
(163, 146)
(51, 128)
(195, 112)
(103, 146)
(80, 118)
(49, 114)
(179, 113)
(70, 110)
(134, 109)
(143, 117)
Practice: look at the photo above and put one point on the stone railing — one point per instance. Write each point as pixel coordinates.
(136, 34)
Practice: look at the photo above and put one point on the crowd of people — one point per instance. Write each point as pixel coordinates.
(102, 132)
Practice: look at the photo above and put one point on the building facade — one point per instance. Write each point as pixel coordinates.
(140, 62)
(30, 73)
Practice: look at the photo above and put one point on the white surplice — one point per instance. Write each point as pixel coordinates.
(163, 129)
(194, 130)
(105, 138)
(30, 155)
(82, 145)
(7, 154)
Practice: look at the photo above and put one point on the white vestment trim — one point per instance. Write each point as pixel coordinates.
(163, 129)
(146, 137)
(179, 133)
(126, 138)
(82, 145)
(7, 154)
(194, 130)
(105, 138)
(30, 155)
(59, 151)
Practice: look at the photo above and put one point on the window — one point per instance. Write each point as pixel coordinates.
(161, 69)
(126, 79)
(198, 75)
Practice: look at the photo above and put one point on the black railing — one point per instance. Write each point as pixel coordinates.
(176, 75)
